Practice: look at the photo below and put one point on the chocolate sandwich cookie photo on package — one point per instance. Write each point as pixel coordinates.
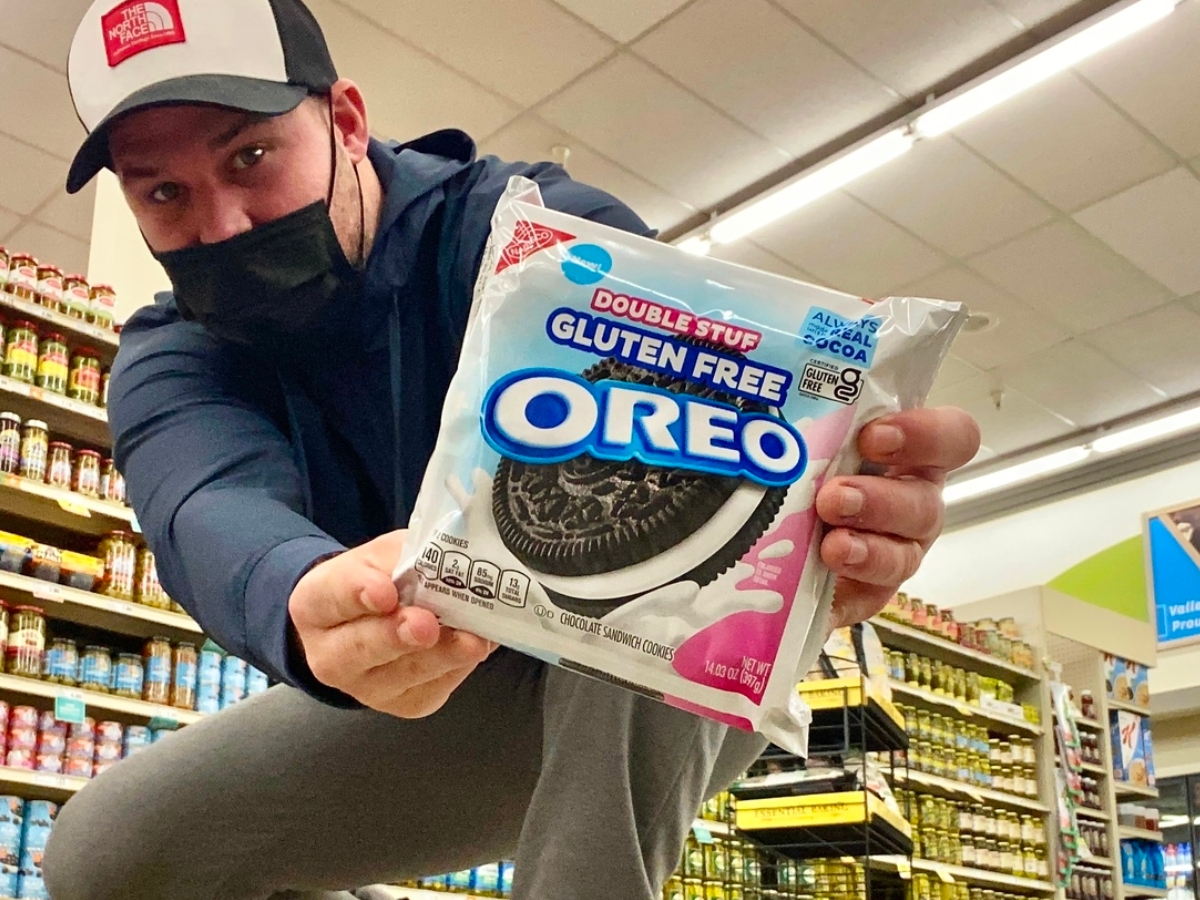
(629, 455)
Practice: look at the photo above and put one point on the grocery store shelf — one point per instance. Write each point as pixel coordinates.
(98, 705)
(76, 331)
(905, 637)
(961, 873)
(713, 827)
(39, 785)
(1125, 789)
(1137, 890)
(851, 710)
(1090, 724)
(1098, 862)
(1094, 814)
(66, 418)
(842, 823)
(403, 893)
(955, 790)
(1139, 834)
(66, 509)
(86, 608)
(929, 698)
(1128, 707)
(1094, 769)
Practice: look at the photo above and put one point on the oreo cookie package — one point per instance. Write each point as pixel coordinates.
(629, 453)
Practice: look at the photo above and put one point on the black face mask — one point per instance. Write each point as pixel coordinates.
(282, 286)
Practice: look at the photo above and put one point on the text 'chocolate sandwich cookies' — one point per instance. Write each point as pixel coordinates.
(629, 455)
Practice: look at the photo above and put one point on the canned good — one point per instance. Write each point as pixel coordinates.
(256, 682)
(76, 296)
(109, 732)
(58, 467)
(21, 352)
(23, 277)
(120, 564)
(99, 768)
(78, 767)
(112, 483)
(52, 743)
(10, 443)
(96, 669)
(157, 664)
(18, 758)
(109, 751)
(35, 448)
(102, 309)
(26, 650)
(83, 381)
(62, 662)
(53, 363)
(85, 478)
(129, 679)
(83, 747)
(137, 737)
(86, 728)
(22, 737)
(183, 688)
(208, 679)
(50, 287)
(233, 681)
(24, 717)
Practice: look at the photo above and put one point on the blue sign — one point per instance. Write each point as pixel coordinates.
(70, 710)
(1175, 570)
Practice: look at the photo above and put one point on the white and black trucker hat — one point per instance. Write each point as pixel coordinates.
(261, 56)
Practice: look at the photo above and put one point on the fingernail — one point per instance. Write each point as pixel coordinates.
(405, 632)
(851, 502)
(857, 552)
(888, 439)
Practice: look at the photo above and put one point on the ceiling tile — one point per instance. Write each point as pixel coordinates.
(622, 20)
(8, 222)
(1018, 423)
(1156, 225)
(532, 140)
(758, 65)
(1069, 276)
(446, 99)
(850, 247)
(1032, 12)
(50, 121)
(748, 253)
(1194, 302)
(954, 371)
(71, 213)
(1156, 346)
(522, 49)
(1067, 143)
(951, 198)
(50, 246)
(1155, 77)
(636, 116)
(1080, 383)
(42, 30)
(910, 45)
(1019, 332)
(28, 176)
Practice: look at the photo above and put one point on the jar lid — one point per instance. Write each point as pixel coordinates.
(50, 267)
(86, 351)
(104, 287)
(76, 277)
(121, 535)
(136, 656)
(36, 609)
(10, 417)
(54, 445)
(37, 423)
(98, 649)
(26, 324)
(52, 337)
(89, 453)
(28, 256)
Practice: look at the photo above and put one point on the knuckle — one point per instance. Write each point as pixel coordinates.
(911, 556)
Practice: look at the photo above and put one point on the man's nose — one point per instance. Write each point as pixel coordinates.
(219, 220)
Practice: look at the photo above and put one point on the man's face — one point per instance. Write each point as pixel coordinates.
(203, 174)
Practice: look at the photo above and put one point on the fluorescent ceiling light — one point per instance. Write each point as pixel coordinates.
(1140, 434)
(697, 246)
(812, 186)
(1026, 471)
(1037, 68)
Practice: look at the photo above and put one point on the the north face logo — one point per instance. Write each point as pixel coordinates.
(139, 25)
(528, 239)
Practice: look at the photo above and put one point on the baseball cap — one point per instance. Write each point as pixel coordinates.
(260, 56)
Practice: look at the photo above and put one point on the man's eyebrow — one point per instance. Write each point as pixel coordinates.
(249, 120)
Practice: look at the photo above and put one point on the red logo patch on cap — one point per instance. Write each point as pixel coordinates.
(527, 240)
(140, 25)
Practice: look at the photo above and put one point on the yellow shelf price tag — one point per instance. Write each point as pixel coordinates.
(904, 869)
(944, 875)
(74, 508)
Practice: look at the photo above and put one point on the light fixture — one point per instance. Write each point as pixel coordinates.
(1041, 64)
(1026, 471)
(812, 185)
(697, 246)
(1141, 434)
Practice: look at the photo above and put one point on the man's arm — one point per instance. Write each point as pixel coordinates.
(215, 486)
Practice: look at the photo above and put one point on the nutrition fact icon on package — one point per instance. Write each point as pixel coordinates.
(482, 578)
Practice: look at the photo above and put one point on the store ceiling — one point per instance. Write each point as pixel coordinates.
(1072, 213)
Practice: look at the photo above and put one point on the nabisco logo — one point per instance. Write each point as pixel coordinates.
(139, 25)
(528, 238)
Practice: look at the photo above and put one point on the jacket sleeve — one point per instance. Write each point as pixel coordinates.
(216, 488)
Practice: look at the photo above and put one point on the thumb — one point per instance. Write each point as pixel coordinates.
(384, 551)
(341, 590)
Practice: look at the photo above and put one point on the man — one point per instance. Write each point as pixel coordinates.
(278, 409)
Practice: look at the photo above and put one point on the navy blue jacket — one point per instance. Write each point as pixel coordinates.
(244, 474)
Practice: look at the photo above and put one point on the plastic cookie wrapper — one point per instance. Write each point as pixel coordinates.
(629, 455)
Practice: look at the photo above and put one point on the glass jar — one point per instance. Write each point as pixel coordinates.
(5, 614)
(926, 673)
(58, 468)
(62, 663)
(933, 619)
(50, 287)
(157, 666)
(21, 352)
(76, 296)
(35, 448)
(5, 261)
(96, 669)
(949, 626)
(912, 670)
(1087, 705)
(147, 590)
(23, 277)
(26, 642)
(102, 309)
(103, 404)
(183, 682)
(120, 565)
(86, 474)
(112, 483)
(129, 680)
(83, 381)
(53, 364)
(10, 443)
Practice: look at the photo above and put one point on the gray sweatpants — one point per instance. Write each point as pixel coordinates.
(589, 787)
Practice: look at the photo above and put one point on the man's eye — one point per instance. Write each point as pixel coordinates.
(251, 156)
(165, 192)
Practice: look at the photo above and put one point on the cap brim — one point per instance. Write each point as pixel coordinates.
(252, 95)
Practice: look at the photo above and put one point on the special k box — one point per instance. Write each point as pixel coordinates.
(1129, 748)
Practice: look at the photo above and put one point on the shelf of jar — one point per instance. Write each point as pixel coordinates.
(65, 417)
(42, 503)
(1090, 724)
(949, 873)
(1094, 769)
(920, 695)
(96, 610)
(76, 331)
(1093, 814)
(1129, 832)
(100, 705)
(1139, 890)
(1127, 789)
(1128, 707)
(905, 637)
(1098, 862)
(39, 785)
(958, 791)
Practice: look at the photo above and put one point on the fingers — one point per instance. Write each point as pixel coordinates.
(343, 655)
(873, 559)
(855, 601)
(409, 685)
(341, 590)
(909, 508)
(936, 439)
(426, 699)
